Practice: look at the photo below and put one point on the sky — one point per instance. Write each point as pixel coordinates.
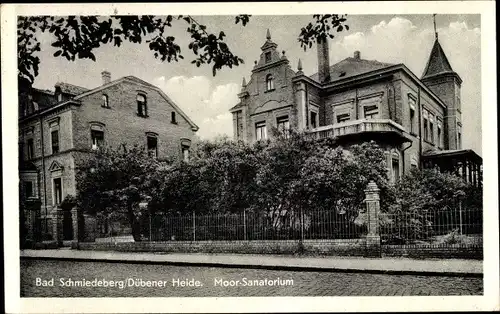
(206, 99)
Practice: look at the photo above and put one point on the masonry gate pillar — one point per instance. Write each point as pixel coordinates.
(372, 201)
(57, 226)
(74, 220)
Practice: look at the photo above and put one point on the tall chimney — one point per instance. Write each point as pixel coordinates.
(323, 60)
(106, 77)
(357, 55)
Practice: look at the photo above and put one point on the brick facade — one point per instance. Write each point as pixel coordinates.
(426, 112)
(73, 119)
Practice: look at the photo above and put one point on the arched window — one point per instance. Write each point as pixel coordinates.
(142, 107)
(105, 101)
(269, 82)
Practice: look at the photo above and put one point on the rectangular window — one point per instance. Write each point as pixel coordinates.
(239, 125)
(28, 189)
(459, 138)
(142, 109)
(412, 120)
(173, 119)
(185, 153)
(54, 135)
(411, 102)
(371, 112)
(30, 149)
(314, 118)
(283, 125)
(57, 191)
(260, 131)
(343, 117)
(431, 129)
(439, 135)
(97, 139)
(268, 57)
(426, 130)
(152, 146)
(105, 101)
(395, 170)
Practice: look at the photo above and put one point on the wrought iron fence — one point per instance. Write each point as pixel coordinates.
(277, 225)
(446, 227)
(457, 226)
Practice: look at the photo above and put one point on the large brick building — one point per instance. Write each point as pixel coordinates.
(58, 129)
(416, 120)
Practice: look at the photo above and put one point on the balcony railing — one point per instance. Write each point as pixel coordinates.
(357, 127)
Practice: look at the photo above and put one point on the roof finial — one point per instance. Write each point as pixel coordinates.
(435, 29)
(299, 66)
(268, 36)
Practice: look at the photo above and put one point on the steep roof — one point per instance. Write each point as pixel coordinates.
(438, 62)
(44, 98)
(71, 89)
(351, 67)
(137, 80)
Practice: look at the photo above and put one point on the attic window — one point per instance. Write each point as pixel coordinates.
(105, 101)
(342, 74)
(268, 57)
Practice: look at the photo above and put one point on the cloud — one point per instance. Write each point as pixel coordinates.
(208, 107)
(400, 41)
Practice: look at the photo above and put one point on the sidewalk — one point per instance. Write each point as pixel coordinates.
(439, 267)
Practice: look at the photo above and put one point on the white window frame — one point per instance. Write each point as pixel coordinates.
(283, 124)
(54, 190)
(269, 82)
(143, 104)
(374, 111)
(155, 136)
(105, 101)
(263, 133)
(425, 124)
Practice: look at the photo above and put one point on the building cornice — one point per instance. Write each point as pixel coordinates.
(380, 74)
(270, 65)
(49, 111)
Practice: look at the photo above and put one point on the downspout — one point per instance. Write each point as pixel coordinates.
(419, 106)
(356, 104)
(44, 176)
(403, 156)
(306, 107)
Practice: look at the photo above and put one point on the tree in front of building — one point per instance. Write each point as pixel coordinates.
(430, 203)
(113, 183)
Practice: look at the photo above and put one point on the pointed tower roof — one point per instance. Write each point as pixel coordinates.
(438, 62)
(269, 55)
(269, 44)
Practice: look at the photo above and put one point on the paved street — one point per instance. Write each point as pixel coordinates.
(219, 282)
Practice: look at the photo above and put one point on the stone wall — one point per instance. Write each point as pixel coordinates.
(352, 247)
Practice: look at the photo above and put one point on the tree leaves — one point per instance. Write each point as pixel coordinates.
(322, 28)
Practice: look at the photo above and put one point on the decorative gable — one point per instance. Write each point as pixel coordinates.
(55, 166)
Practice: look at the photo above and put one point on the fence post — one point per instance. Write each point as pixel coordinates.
(244, 226)
(74, 220)
(372, 201)
(150, 226)
(194, 226)
(460, 214)
(57, 226)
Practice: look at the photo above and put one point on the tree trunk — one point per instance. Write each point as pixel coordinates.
(134, 225)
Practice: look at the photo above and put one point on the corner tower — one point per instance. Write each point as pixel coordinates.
(443, 81)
